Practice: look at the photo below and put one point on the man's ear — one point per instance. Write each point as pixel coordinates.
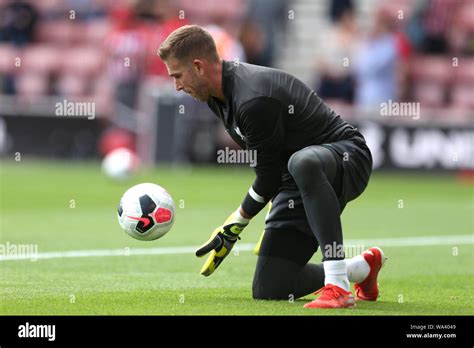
(199, 66)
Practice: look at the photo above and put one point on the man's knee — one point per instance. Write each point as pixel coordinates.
(262, 290)
(274, 278)
(305, 162)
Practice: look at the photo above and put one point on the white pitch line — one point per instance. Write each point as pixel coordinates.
(385, 242)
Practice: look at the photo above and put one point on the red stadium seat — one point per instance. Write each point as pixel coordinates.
(48, 7)
(63, 32)
(432, 76)
(429, 94)
(464, 72)
(205, 9)
(8, 55)
(462, 91)
(72, 85)
(465, 16)
(462, 95)
(94, 32)
(83, 60)
(31, 84)
(41, 58)
(435, 69)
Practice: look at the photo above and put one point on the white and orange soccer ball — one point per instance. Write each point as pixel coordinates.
(146, 212)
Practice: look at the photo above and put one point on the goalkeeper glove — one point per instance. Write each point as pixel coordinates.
(221, 242)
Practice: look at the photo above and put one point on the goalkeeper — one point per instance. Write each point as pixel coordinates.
(310, 164)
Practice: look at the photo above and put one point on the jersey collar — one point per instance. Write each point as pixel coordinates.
(228, 70)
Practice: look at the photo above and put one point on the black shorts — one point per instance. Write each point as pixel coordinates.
(354, 169)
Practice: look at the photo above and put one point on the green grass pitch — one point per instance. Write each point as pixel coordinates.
(72, 206)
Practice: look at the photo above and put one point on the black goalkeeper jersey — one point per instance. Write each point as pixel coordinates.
(276, 114)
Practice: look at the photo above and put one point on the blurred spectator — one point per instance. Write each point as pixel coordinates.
(228, 47)
(431, 23)
(261, 32)
(405, 51)
(336, 75)
(253, 42)
(375, 63)
(126, 46)
(228, 13)
(404, 47)
(339, 8)
(86, 10)
(462, 31)
(18, 22)
(166, 19)
(146, 10)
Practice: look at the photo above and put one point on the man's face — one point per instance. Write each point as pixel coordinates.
(190, 78)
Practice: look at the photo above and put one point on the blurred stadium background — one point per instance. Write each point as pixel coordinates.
(356, 55)
(402, 71)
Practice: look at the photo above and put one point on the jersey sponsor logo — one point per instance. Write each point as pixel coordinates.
(239, 133)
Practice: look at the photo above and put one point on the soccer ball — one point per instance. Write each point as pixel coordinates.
(146, 212)
(120, 164)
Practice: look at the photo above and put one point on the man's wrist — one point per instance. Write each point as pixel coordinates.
(243, 214)
(241, 217)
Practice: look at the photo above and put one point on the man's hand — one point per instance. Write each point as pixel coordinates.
(221, 242)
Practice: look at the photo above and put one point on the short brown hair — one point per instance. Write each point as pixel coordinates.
(189, 41)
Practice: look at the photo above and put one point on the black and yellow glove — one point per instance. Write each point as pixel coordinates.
(221, 242)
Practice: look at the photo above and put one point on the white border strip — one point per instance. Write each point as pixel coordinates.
(256, 197)
(385, 242)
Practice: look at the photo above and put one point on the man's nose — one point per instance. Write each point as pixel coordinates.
(178, 85)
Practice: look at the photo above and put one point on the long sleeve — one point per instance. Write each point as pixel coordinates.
(262, 123)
